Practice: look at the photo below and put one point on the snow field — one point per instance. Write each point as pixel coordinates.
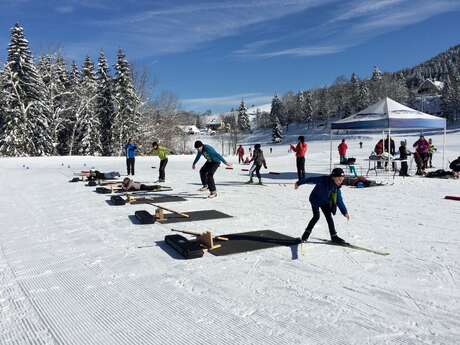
(74, 270)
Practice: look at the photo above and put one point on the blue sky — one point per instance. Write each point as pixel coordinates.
(212, 54)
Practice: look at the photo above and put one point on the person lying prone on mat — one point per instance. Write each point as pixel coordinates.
(129, 185)
(95, 174)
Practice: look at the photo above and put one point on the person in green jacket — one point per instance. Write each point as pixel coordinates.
(162, 152)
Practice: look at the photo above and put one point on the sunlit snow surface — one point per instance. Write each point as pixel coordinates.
(75, 270)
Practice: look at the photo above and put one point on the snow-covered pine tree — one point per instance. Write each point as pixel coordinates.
(89, 130)
(354, 96)
(400, 90)
(376, 86)
(276, 110)
(243, 118)
(277, 131)
(53, 73)
(127, 104)
(376, 74)
(72, 124)
(25, 113)
(307, 108)
(104, 104)
(363, 96)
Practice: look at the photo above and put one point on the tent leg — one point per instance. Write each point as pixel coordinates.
(444, 146)
(389, 156)
(330, 151)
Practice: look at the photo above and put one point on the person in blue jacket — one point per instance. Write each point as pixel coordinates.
(213, 160)
(325, 196)
(130, 150)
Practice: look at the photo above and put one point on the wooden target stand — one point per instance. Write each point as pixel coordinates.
(205, 239)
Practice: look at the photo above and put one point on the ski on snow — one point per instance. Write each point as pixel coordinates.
(349, 245)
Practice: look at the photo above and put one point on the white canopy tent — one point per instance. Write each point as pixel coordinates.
(386, 115)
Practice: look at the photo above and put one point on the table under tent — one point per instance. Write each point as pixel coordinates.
(387, 115)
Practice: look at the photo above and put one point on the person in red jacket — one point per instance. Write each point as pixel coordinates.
(240, 153)
(378, 149)
(343, 147)
(300, 150)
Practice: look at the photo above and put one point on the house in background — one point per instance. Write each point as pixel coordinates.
(428, 98)
(191, 130)
(215, 124)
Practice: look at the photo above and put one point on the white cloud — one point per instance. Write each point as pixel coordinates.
(302, 51)
(354, 23)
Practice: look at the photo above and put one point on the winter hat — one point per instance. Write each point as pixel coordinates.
(257, 146)
(154, 144)
(198, 144)
(337, 172)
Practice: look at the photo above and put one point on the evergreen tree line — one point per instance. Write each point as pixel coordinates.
(47, 108)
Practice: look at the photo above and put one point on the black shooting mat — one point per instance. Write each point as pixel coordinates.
(159, 199)
(193, 216)
(253, 240)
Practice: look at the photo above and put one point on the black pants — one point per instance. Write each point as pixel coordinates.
(240, 159)
(255, 168)
(327, 213)
(430, 158)
(207, 175)
(147, 187)
(163, 163)
(130, 165)
(403, 170)
(300, 167)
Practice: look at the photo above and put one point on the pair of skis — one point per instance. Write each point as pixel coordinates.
(346, 245)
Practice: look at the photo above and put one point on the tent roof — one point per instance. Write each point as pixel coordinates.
(388, 113)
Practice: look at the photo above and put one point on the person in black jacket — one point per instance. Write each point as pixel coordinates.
(403, 154)
(325, 196)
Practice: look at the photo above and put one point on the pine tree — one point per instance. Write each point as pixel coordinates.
(306, 107)
(127, 103)
(243, 118)
(376, 86)
(53, 73)
(355, 94)
(277, 131)
(376, 74)
(276, 110)
(25, 113)
(104, 107)
(363, 96)
(89, 130)
(400, 90)
(77, 106)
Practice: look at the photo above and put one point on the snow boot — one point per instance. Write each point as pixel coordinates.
(202, 189)
(336, 239)
(250, 181)
(260, 182)
(212, 195)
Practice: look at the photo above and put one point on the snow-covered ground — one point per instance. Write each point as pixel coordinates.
(75, 270)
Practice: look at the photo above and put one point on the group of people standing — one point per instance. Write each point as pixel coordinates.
(423, 154)
(157, 150)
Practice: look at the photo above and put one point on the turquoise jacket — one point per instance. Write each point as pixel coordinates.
(210, 154)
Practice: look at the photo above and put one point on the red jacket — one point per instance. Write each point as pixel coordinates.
(240, 151)
(379, 147)
(343, 149)
(300, 149)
